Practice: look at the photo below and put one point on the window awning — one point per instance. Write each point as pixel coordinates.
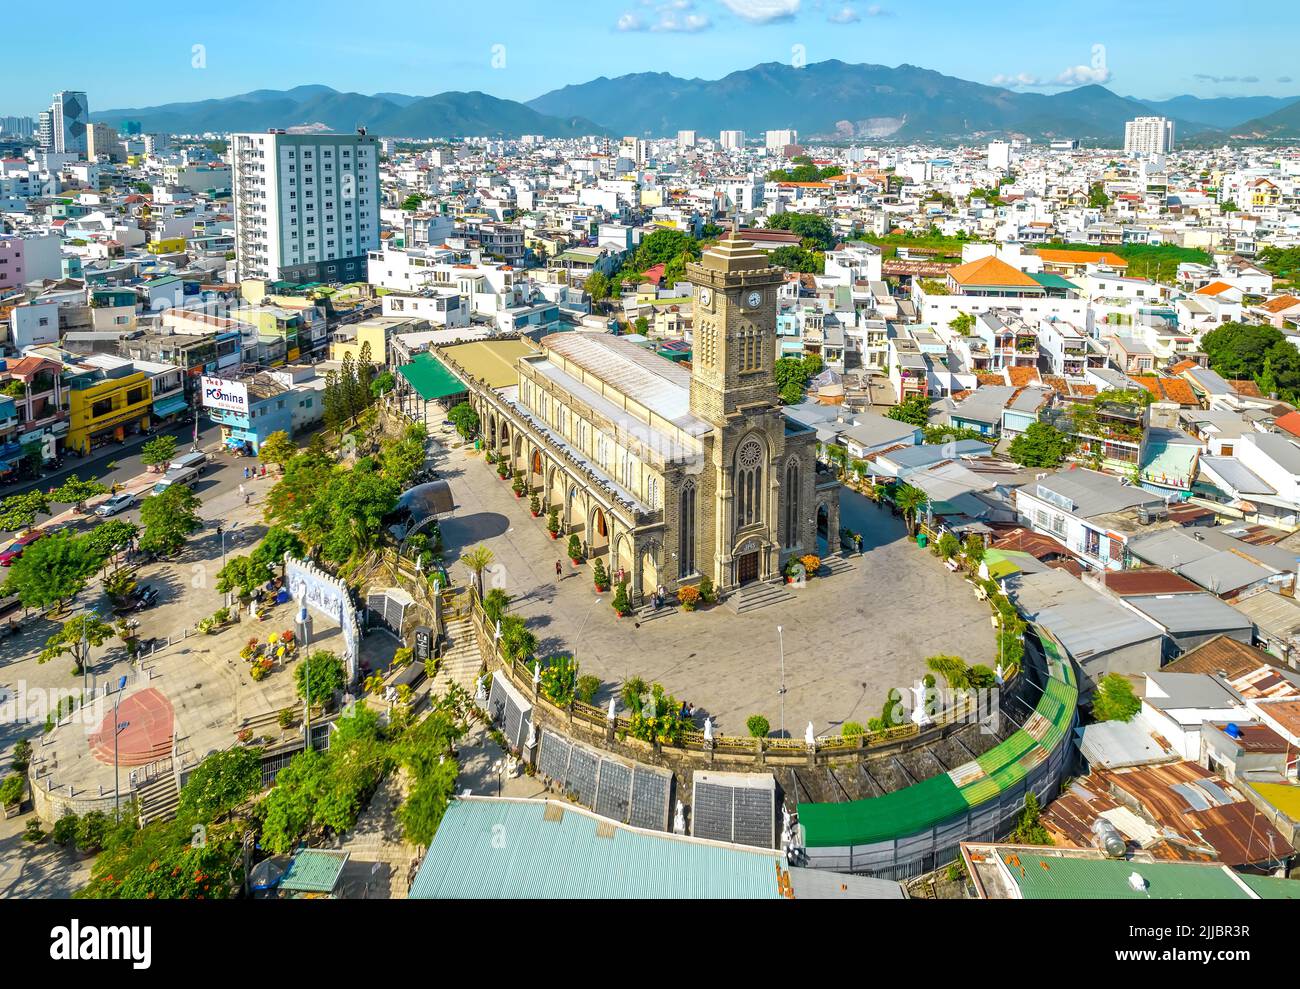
(169, 406)
(430, 378)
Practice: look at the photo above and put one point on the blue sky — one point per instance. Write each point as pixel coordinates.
(518, 49)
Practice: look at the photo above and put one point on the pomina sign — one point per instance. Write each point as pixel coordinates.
(218, 393)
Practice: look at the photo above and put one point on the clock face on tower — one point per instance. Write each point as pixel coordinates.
(705, 296)
(754, 300)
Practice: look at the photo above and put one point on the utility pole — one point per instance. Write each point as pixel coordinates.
(780, 635)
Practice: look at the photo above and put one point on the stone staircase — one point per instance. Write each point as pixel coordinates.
(758, 595)
(834, 565)
(649, 613)
(461, 661)
(158, 799)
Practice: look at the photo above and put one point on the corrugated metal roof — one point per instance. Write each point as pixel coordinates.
(1044, 876)
(491, 848)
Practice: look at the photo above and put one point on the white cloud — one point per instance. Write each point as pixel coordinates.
(1075, 75)
(763, 11)
(845, 15)
(672, 16)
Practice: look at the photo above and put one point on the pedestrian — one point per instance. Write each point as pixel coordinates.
(246, 498)
(559, 571)
(241, 490)
(264, 470)
(245, 473)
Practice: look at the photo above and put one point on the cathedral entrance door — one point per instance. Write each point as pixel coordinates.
(747, 567)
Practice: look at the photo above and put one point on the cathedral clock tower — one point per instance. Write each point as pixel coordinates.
(734, 348)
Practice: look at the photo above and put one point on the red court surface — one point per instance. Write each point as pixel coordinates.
(147, 736)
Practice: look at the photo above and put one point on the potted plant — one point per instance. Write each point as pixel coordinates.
(553, 521)
(288, 717)
(575, 549)
(689, 597)
(517, 485)
(534, 506)
(245, 736)
(708, 594)
(620, 602)
(503, 471)
(811, 564)
(600, 577)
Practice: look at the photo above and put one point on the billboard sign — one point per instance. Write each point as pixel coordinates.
(229, 396)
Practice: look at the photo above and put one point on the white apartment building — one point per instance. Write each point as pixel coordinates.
(69, 119)
(306, 205)
(686, 138)
(775, 140)
(732, 139)
(999, 156)
(1149, 136)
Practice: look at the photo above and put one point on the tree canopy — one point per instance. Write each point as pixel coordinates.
(1114, 699)
(809, 227)
(1259, 353)
(52, 570)
(914, 411)
(1041, 445)
(168, 519)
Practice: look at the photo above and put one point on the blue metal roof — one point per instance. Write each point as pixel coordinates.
(511, 849)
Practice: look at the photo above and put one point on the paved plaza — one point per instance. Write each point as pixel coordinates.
(848, 639)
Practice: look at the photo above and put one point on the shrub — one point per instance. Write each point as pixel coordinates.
(598, 575)
(559, 680)
(851, 728)
(92, 829)
(64, 831)
(534, 506)
(33, 832)
(22, 757)
(758, 726)
(11, 790)
(707, 592)
(575, 548)
(947, 546)
(689, 597)
(287, 717)
(811, 564)
(553, 520)
(621, 603)
(1114, 699)
(587, 687)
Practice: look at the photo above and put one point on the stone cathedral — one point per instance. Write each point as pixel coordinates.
(664, 474)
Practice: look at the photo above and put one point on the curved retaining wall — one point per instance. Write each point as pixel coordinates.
(917, 829)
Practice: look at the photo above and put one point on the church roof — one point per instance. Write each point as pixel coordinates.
(661, 385)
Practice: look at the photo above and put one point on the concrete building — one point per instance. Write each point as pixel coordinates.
(69, 122)
(732, 140)
(306, 205)
(1149, 136)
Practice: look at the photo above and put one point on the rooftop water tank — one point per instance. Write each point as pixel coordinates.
(1108, 838)
(1232, 731)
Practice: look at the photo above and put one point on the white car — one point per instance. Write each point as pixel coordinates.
(114, 504)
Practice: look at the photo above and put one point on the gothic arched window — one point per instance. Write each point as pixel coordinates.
(749, 483)
(686, 529)
(791, 495)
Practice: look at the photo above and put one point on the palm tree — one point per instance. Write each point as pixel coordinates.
(910, 502)
(478, 559)
(837, 455)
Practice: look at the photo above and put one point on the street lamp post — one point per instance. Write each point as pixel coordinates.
(221, 531)
(118, 727)
(780, 636)
(93, 613)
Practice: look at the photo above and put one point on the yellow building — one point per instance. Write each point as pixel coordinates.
(106, 406)
(376, 331)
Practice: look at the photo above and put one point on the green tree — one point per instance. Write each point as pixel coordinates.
(52, 570)
(798, 259)
(242, 575)
(413, 202)
(1041, 445)
(948, 546)
(305, 476)
(220, 783)
(792, 393)
(809, 226)
(76, 492)
(952, 668)
(275, 544)
(324, 672)
(109, 538)
(915, 411)
(159, 451)
(277, 449)
(289, 810)
(75, 638)
(642, 325)
(18, 512)
(1097, 198)
(598, 286)
(169, 519)
(382, 384)
(465, 419)
(757, 726)
(1114, 699)
(1237, 350)
(962, 323)
(661, 247)
(1029, 829)
(911, 502)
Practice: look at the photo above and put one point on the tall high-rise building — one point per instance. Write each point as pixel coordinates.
(999, 157)
(1149, 136)
(22, 127)
(102, 142)
(69, 118)
(731, 139)
(306, 205)
(775, 140)
(633, 149)
(45, 131)
(686, 138)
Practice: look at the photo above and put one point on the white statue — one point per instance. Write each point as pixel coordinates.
(613, 715)
(708, 729)
(998, 673)
(919, 717)
(496, 635)
(532, 734)
(809, 735)
(679, 819)
(480, 690)
(787, 824)
(537, 674)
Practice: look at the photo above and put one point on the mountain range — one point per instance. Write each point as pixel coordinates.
(830, 99)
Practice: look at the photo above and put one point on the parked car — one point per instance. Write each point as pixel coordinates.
(15, 549)
(114, 504)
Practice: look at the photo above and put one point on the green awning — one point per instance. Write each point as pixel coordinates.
(430, 378)
(169, 406)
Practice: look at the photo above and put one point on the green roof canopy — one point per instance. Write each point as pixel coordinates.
(430, 378)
